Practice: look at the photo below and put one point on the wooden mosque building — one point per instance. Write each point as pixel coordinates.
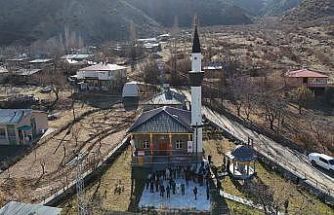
(168, 134)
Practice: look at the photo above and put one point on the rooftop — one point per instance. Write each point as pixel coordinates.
(103, 67)
(26, 72)
(12, 116)
(19, 208)
(40, 61)
(3, 70)
(146, 40)
(151, 45)
(243, 153)
(163, 120)
(76, 56)
(168, 97)
(305, 73)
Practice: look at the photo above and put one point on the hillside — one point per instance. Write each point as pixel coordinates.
(96, 20)
(279, 7)
(265, 7)
(310, 10)
(100, 20)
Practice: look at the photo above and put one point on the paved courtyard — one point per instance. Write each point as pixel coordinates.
(177, 200)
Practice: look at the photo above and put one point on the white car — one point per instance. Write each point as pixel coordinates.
(322, 160)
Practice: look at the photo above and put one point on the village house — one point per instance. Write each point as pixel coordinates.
(168, 97)
(19, 62)
(21, 126)
(102, 77)
(28, 76)
(152, 47)
(315, 81)
(164, 37)
(77, 59)
(41, 63)
(147, 40)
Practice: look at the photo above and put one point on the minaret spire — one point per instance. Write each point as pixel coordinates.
(196, 43)
(196, 77)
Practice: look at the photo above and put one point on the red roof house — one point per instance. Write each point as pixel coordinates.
(308, 78)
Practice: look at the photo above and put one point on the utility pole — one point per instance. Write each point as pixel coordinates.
(80, 187)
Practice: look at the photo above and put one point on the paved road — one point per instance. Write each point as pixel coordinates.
(288, 158)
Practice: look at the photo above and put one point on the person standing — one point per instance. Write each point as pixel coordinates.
(195, 192)
(168, 191)
(152, 186)
(182, 173)
(157, 185)
(167, 174)
(207, 192)
(174, 187)
(148, 182)
(162, 190)
(183, 189)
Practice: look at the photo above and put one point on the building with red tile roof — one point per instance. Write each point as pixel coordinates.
(308, 78)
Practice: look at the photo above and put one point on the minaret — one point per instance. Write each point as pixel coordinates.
(196, 78)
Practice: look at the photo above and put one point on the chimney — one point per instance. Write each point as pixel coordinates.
(196, 78)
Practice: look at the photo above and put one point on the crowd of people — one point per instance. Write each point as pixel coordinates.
(167, 181)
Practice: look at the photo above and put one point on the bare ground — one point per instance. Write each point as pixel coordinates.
(96, 134)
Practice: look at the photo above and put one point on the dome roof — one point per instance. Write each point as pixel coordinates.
(244, 153)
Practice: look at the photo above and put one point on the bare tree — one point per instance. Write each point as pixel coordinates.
(275, 109)
(322, 132)
(151, 72)
(249, 100)
(302, 96)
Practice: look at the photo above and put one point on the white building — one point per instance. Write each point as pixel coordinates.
(102, 76)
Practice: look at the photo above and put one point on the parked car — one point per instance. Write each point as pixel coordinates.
(322, 160)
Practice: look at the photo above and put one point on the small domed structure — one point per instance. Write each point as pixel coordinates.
(241, 160)
(244, 153)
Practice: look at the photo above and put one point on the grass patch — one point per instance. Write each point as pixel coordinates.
(240, 209)
(100, 195)
(300, 200)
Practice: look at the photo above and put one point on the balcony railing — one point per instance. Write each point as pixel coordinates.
(168, 158)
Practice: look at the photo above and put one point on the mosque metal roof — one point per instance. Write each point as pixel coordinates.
(163, 120)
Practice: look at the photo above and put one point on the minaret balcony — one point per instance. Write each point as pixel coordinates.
(196, 78)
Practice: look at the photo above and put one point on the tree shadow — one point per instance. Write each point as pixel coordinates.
(138, 179)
